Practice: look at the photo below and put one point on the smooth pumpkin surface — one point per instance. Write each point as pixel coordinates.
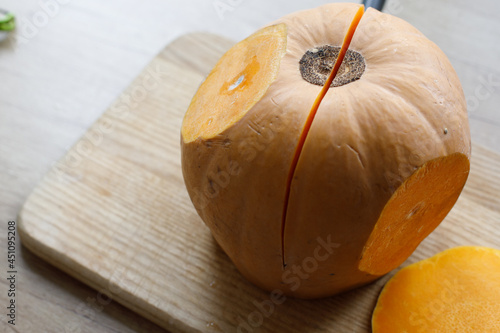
(457, 290)
(308, 223)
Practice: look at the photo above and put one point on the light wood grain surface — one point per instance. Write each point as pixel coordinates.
(69, 60)
(114, 213)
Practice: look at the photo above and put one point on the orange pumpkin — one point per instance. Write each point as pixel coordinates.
(316, 208)
(457, 290)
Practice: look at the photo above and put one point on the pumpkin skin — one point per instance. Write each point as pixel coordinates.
(389, 149)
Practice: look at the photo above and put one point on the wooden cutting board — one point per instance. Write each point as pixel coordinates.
(114, 214)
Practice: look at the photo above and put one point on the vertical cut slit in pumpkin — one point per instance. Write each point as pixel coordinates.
(457, 290)
(310, 118)
(229, 80)
(414, 210)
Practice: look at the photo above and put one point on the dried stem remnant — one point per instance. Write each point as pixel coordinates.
(317, 63)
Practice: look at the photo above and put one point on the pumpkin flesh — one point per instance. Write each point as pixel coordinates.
(457, 290)
(260, 56)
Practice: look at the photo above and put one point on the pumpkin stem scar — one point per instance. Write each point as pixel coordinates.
(312, 113)
(317, 63)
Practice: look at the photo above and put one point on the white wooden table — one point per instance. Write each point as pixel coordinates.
(69, 59)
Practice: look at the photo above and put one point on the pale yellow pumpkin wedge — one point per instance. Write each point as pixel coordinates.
(457, 290)
(317, 198)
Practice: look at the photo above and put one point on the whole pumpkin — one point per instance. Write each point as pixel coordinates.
(382, 164)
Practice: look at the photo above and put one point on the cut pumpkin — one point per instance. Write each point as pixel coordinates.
(294, 141)
(457, 290)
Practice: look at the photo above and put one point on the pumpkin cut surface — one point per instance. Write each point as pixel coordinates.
(457, 290)
(233, 87)
(413, 212)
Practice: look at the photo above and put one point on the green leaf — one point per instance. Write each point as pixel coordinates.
(7, 22)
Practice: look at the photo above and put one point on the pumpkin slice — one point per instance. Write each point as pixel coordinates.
(457, 290)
